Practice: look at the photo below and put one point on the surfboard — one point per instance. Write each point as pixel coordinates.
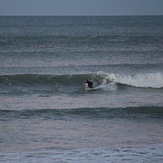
(92, 89)
(89, 89)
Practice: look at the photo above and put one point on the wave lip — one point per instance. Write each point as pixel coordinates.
(143, 80)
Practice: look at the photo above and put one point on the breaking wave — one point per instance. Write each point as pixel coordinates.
(101, 79)
(146, 80)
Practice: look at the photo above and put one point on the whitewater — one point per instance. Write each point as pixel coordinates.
(147, 80)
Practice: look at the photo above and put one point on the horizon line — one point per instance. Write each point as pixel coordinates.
(85, 15)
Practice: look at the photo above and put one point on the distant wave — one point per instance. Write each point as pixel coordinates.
(146, 80)
(128, 112)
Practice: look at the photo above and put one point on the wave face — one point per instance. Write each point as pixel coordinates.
(31, 79)
(146, 80)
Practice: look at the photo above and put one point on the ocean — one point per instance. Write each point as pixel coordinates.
(45, 114)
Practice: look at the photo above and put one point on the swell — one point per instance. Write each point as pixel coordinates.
(146, 112)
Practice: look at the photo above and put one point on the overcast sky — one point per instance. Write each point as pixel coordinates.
(81, 7)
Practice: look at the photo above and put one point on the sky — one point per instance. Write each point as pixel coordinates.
(80, 7)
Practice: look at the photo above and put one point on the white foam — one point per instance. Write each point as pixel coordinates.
(152, 80)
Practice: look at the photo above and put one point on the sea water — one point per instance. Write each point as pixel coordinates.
(45, 115)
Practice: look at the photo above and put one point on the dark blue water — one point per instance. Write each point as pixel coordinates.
(47, 116)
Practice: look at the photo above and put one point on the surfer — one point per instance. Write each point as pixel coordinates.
(88, 85)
